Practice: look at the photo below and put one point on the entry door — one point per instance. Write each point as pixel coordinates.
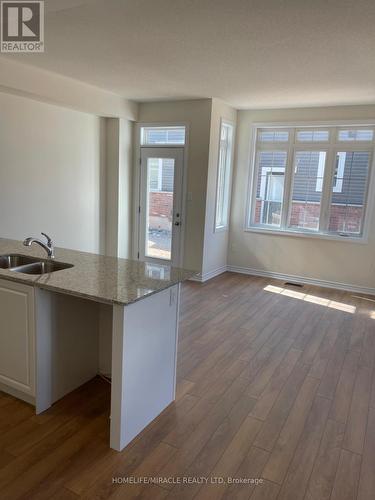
(161, 204)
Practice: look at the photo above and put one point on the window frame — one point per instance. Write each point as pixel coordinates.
(232, 125)
(306, 147)
(136, 178)
(144, 127)
(332, 147)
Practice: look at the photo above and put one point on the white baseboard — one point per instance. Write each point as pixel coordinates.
(17, 394)
(202, 277)
(301, 279)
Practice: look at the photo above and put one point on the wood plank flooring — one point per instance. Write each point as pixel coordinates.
(275, 383)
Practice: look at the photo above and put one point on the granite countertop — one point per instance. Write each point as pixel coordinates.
(103, 279)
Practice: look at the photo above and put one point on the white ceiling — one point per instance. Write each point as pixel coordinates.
(250, 53)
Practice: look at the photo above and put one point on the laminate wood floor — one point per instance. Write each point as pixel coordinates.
(275, 386)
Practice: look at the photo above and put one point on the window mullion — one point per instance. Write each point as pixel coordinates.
(160, 174)
(327, 189)
(288, 181)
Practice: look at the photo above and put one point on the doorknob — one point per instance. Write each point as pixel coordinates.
(176, 223)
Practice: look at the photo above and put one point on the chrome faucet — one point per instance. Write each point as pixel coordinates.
(48, 247)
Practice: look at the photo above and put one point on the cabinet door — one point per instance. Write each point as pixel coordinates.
(17, 337)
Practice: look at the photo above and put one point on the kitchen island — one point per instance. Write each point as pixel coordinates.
(58, 330)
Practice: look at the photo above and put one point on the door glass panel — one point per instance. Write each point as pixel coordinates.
(160, 182)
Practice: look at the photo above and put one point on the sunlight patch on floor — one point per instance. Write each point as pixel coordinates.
(314, 299)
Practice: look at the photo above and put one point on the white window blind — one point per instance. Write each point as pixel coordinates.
(311, 180)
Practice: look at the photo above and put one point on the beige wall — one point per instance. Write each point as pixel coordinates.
(51, 174)
(119, 179)
(341, 262)
(196, 114)
(126, 166)
(215, 252)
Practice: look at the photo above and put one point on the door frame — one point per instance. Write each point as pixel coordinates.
(137, 183)
(178, 158)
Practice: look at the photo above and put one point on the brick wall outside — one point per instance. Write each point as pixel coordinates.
(258, 206)
(161, 203)
(160, 210)
(310, 212)
(352, 215)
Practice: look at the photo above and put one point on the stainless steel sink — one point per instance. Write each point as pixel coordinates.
(15, 260)
(31, 265)
(42, 267)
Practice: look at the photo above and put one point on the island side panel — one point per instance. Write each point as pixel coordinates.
(144, 352)
(43, 348)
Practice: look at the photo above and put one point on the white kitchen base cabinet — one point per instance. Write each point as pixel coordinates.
(17, 340)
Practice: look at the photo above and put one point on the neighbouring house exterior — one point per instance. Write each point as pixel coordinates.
(161, 194)
(349, 187)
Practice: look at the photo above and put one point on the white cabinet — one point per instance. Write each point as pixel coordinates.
(17, 339)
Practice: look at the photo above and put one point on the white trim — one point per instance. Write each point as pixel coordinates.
(137, 187)
(201, 278)
(19, 394)
(302, 279)
(163, 126)
(316, 123)
(284, 277)
(251, 181)
(178, 155)
(231, 145)
(307, 234)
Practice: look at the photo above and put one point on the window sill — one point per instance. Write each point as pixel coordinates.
(300, 234)
(221, 229)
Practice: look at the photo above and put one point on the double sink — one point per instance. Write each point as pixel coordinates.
(31, 265)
